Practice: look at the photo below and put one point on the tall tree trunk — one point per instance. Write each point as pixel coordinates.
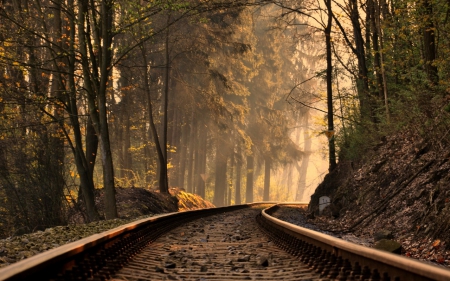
(196, 172)
(429, 44)
(82, 164)
(96, 90)
(230, 181)
(371, 12)
(366, 105)
(183, 153)
(303, 169)
(192, 152)
(91, 147)
(331, 145)
(162, 164)
(147, 153)
(103, 129)
(237, 197)
(118, 137)
(203, 139)
(56, 137)
(249, 185)
(175, 143)
(267, 164)
(381, 58)
(220, 172)
(127, 157)
(163, 176)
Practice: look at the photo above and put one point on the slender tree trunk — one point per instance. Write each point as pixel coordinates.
(162, 164)
(429, 43)
(231, 177)
(56, 137)
(97, 94)
(371, 12)
(191, 155)
(237, 197)
(220, 172)
(183, 153)
(249, 186)
(146, 145)
(197, 177)
(366, 105)
(82, 164)
(267, 164)
(175, 143)
(127, 157)
(303, 169)
(103, 128)
(203, 139)
(331, 145)
(118, 137)
(91, 147)
(163, 176)
(382, 68)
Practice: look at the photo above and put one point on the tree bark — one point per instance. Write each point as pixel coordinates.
(96, 89)
(249, 185)
(331, 145)
(86, 180)
(163, 176)
(103, 129)
(91, 147)
(237, 197)
(371, 12)
(267, 164)
(201, 154)
(183, 153)
(127, 157)
(303, 169)
(220, 172)
(231, 177)
(153, 130)
(429, 43)
(192, 152)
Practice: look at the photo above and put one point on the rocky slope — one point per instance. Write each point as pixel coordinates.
(402, 186)
(132, 204)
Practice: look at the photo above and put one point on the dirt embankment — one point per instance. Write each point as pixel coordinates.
(132, 204)
(403, 186)
(135, 202)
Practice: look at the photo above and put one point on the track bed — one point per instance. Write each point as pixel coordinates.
(227, 246)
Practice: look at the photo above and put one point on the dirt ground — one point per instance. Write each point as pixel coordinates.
(402, 186)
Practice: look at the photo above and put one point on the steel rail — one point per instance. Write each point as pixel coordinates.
(317, 248)
(98, 256)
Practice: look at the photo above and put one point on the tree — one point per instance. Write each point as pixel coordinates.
(96, 65)
(330, 115)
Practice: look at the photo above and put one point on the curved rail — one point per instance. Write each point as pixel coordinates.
(100, 255)
(345, 259)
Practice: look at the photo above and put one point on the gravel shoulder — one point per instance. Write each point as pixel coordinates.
(427, 250)
(133, 204)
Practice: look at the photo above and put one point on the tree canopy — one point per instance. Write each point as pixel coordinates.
(202, 94)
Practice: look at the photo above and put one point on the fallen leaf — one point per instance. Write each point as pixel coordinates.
(436, 243)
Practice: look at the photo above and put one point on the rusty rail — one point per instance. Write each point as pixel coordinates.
(99, 256)
(342, 260)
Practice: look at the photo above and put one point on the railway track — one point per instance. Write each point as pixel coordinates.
(232, 243)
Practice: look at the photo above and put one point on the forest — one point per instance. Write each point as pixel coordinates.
(208, 96)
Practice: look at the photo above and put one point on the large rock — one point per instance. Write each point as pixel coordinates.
(382, 234)
(389, 246)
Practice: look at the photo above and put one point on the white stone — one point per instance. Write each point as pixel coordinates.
(323, 202)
